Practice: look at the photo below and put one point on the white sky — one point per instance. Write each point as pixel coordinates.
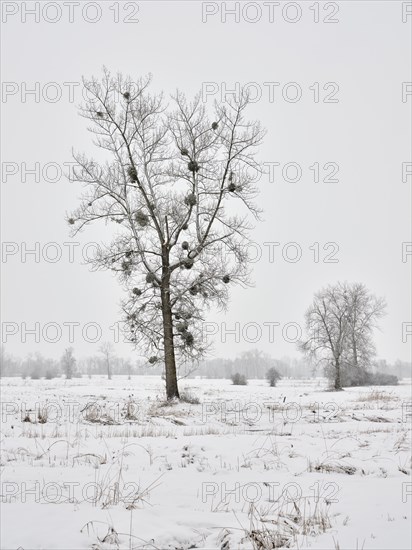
(367, 134)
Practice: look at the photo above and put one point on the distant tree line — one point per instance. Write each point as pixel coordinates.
(36, 366)
(252, 364)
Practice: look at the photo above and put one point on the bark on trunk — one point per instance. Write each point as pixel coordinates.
(338, 385)
(355, 353)
(172, 390)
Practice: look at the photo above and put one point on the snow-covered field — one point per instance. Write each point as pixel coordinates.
(107, 464)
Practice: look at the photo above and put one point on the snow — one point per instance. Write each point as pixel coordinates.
(322, 469)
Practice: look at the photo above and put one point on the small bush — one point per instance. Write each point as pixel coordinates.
(49, 375)
(382, 379)
(239, 379)
(353, 377)
(272, 376)
(358, 377)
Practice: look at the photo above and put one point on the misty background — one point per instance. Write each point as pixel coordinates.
(366, 133)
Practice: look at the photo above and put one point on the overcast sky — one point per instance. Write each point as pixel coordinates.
(345, 107)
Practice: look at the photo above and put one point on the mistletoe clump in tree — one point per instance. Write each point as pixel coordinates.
(177, 188)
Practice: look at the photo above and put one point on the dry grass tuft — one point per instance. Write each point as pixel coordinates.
(281, 527)
(332, 467)
(189, 397)
(377, 395)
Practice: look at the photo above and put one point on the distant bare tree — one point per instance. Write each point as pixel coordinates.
(125, 367)
(68, 363)
(327, 330)
(253, 363)
(106, 349)
(9, 366)
(339, 326)
(178, 188)
(91, 365)
(364, 312)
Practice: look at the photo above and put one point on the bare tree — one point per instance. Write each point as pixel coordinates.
(339, 326)
(9, 366)
(68, 363)
(106, 349)
(327, 330)
(125, 367)
(91, 365)
(364, 312)
(177, 187)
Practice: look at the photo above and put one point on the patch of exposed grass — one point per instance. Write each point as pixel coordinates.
(189, 397)
(377, 395)
(331, 467)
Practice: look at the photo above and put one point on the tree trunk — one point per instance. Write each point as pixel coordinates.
(172, 390)
(355, 353)
(338, 385)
